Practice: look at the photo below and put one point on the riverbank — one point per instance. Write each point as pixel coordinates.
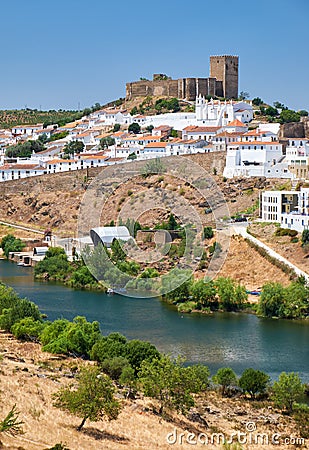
(29, 377)
(218, 340)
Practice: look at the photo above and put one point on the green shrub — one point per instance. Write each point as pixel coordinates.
(285, 232)
(10, 244)
(28, 329)
(21, 309)
(254, 382)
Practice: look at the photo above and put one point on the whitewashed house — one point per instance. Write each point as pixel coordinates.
(17, 171)
(186, 147)
(200, 133)
(256, 159)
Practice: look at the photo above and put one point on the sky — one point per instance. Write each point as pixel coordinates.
(69, 53)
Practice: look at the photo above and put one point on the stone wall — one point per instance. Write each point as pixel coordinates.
(292, 130)
(164, 88)
(223, 82)
(225, 68)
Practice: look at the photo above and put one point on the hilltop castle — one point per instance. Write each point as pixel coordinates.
(222, 82)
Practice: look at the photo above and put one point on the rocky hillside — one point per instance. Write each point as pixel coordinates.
(29, 377)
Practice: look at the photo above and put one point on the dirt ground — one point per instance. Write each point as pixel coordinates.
(247, 266)
(28, 378)
(282, 244)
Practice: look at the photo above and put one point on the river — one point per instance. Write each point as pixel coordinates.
(224, 339)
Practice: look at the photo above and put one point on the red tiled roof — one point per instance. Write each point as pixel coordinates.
(156, 145)
(196, 129)
(236, 123)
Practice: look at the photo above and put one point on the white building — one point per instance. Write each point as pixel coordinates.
(288, 208)
(218, 113)
(256, 159)
(196, 132)
(17, 171)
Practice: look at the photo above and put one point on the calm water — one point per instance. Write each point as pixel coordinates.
(235, 340)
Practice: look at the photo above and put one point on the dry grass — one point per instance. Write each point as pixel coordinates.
(28, 378)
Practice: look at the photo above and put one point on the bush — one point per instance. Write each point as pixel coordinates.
(287, 390)
(305, 237)
(76, 337)
(28, 329)
(226, 378)
(114, 367)
(254, 382)
(21, 309)
(285, 232)
(208, 233)
(10, 244)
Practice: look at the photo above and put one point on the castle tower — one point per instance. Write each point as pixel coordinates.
(225, 69)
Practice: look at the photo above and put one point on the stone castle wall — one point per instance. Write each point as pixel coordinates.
(223, 82)
(225, 68)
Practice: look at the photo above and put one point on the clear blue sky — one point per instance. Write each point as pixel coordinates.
(56, 54)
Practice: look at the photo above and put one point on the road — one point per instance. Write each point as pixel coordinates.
(21, 227)
(242, 231)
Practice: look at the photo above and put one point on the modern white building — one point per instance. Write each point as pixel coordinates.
(288, 208)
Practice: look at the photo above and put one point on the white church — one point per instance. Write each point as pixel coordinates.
(220, 113)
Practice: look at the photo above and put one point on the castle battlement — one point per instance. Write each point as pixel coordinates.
(222, 82)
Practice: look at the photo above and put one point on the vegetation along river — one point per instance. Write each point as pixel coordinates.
(236, 340)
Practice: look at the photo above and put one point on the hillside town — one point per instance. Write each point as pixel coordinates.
(114, 136)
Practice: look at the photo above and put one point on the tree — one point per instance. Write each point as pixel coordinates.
(116, 127)
(134, 128)
(128, 380)
(253, 382)
(303, 113)
(134, 111)
(137, 351)
(150, 128)
(25, 149)
(114, 367)
(28, 329)
(132, 156)
(257, 101)
(226, 378)
(271, 300)
(204, 293)
(288, 115)
(10, 243)
(231, 295)
(107, 142)
(154, 166)
(117, 253)
(75, 338)
(287, 390)
(270, 111)
(73, 147)
(43, 138)
(304, 238)
(92, 397)
(279, 105)
(21, 309)
(172, 384)
(208, 233)
(243, 95)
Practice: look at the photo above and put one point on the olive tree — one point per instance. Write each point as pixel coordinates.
(91, 398)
